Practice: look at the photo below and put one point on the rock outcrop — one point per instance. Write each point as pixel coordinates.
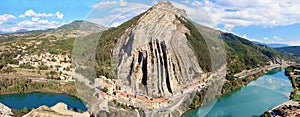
(5, 111)
(58, 110)
(154, 57)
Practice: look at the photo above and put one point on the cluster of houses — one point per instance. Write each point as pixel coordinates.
(54, 62)
(114, 92)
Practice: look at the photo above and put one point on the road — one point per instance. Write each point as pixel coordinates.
(257, 70)
(80, 78)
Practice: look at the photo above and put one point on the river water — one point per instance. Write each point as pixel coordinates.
(34, 100)
(252, 100)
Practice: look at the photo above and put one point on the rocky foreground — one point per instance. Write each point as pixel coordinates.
(58, 110)
(5, 111)
(290, 108)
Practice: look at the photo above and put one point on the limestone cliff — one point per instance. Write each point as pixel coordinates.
(153, 57)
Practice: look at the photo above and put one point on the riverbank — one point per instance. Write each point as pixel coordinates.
(23, 103)
(294, 75)
(25, 85)
(232, 84)
(287, 109)
(291, 107)
(252, 99)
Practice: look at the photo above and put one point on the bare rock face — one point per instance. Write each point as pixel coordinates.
(153, 58)
(58, 110)
(5, 111)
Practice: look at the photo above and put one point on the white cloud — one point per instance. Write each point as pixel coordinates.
(196, 3)
(123, 3)
(265, 38)
(116, 15)
(9, 29)
(32, 13)
(26, 24)
(196, 14)
(294, 43)
(266, 13)
(35, 19)
(59, 15)
(31, 25)
(276, 38)
(108, 3)
(228, 27)
(6, 17)
(186, 1)
(244, 36)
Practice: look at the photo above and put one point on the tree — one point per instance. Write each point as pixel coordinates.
(105, 89)
(266, 114)
(24, 110)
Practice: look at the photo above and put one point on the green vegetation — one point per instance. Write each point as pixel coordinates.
(105, 89)
(43, 67)
(242, 54)
(8, 69)
(6, 57)
(23, 85)
(292, 50)
(123, 106)
(266, 114)
(295, 96)
(20, 113)
(232, 84)
(280, 112)
(274, 71)
(198, 99)
(198, 44)
(106, 44)
(61, 46)
(295, 80)
(52, 46)
(78, 25)
(26, 66)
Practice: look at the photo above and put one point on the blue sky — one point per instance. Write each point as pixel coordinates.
(268, 21)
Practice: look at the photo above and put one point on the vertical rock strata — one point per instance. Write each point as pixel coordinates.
(154, 57)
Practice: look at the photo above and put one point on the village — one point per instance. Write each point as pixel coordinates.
(53, 66)
(112, 91)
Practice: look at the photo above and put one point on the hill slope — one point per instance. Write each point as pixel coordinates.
(156, 42)
(291, 50)
(78, 28)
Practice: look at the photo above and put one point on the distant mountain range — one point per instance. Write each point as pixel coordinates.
(21, 31)
(271, 45)
(283, 48)
(77, 28)
(291, 50)
(73, 26)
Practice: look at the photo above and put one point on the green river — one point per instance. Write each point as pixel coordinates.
(252, 100)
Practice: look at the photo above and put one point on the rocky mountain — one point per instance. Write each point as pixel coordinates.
(150, 53)
(160, 51)
(21, 31)
(80, 27)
